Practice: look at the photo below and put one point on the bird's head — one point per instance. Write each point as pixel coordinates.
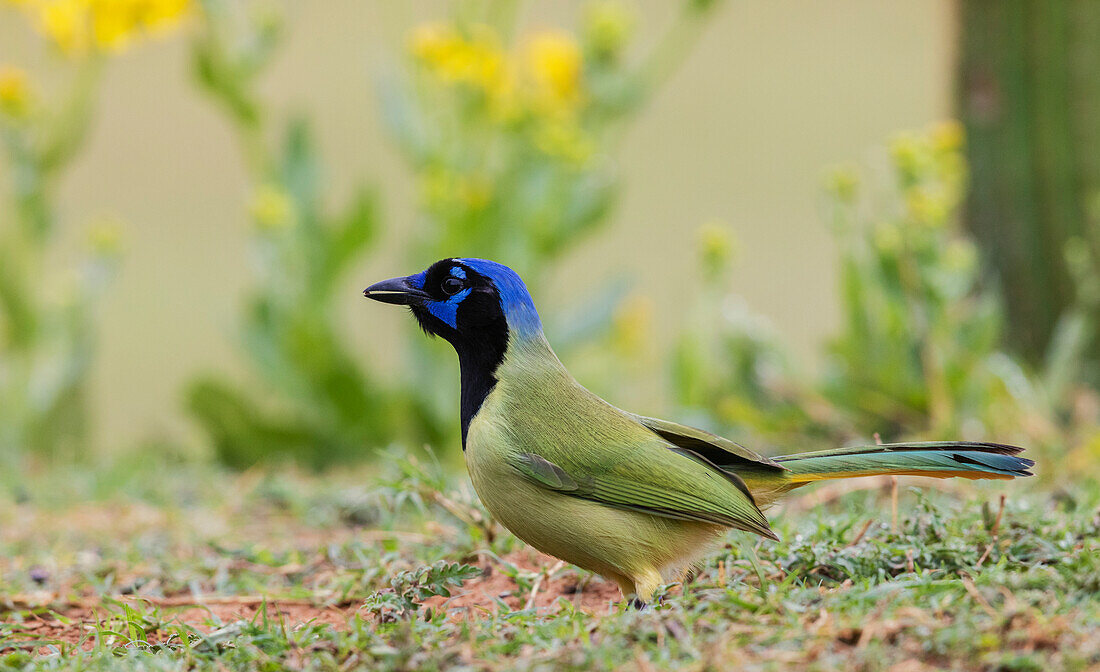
(482, 308)
(475, 304)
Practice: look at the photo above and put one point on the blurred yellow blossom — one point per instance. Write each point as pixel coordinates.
(1083, 458)
(272, 208)
(474, 57)
(948, 136)
(564, 140)
(544, 80)
(737, 411)
(607, 27)
(476, 192)
(909, 154)
(887, 238)
(105, 237)
(15, 93)
(553, 60)
(843, 183)
(77, 27)
(717, 248)
(926, 206)
(445, 189)
(961, 256)
(632, 324)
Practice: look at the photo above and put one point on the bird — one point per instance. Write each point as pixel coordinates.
(635, 499)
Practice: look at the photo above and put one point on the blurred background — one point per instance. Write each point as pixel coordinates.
(797, 224)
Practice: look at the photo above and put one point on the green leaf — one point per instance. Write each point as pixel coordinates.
(351, 233)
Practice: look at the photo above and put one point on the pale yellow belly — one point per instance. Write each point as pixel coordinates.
(626, 546)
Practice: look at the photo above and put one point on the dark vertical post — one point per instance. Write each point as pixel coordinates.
(1029, 83)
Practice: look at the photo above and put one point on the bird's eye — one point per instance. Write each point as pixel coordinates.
(452, 285)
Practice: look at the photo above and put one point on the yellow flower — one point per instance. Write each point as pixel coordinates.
(907, 151)
(607, 27)
(886, 238)
(113, 31)
(927, 207)
(272, 208)
(476, 192)
(736, 411)
(472, 58)
(564, 140)
(554, 62)
(430, 42)
(105, 237)
(65, 22)
(165, 14)
(78, 27)
(843, 183)
(544, 79)
(437, 187)
(475, 59)
(632, 324)
(15, 94)
(717, 248)
(1083, 458)
(961, 256)
(446, 189)
(948, 136)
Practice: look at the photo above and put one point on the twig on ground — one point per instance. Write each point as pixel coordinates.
(997, 521)
(859, 535)
(978, 597)
(199, 600)
(467, 513)
(894, 503)
(993, 532)
(26, 601)
(538, 583)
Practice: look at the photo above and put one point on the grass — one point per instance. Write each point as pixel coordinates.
(176, 567)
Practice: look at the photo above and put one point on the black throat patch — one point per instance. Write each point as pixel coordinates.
(480, 335)
(478, 363)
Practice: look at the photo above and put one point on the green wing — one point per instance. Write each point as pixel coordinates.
(721, 451)
(653, 477)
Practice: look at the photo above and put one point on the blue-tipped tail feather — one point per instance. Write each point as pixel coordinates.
(940, 459)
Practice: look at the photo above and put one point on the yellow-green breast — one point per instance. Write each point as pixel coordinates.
(536, 401)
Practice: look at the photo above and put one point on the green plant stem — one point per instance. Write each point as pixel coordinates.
(675, 45)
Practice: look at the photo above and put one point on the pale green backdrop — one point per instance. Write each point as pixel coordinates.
(775, 93)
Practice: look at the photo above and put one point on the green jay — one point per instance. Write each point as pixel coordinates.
(632, 498)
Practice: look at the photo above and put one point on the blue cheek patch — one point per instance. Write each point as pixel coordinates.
(447, 311)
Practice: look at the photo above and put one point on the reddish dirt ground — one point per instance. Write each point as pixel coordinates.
(76, 624)
(480, 594)
(48, 622)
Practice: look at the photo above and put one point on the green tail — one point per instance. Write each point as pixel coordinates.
(938, 459)
(941, 459)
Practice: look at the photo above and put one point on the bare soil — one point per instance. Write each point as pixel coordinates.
(47, 621)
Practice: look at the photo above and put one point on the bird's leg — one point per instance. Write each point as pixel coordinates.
(645, 584)
(631, 593)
